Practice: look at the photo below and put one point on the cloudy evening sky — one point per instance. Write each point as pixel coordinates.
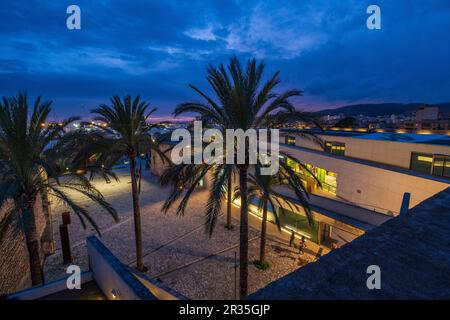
(155, 48)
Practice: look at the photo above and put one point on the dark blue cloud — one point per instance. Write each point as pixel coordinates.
(155, 48)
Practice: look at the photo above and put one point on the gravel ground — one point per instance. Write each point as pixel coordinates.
(196, 265)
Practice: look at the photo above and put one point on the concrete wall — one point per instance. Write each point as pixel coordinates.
(368, 186)
(388, 152)
(160, 291)
(47, 289)
(119, 282)
(111, 276)
(116, 280)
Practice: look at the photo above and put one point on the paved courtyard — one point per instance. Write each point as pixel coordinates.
(177, 250)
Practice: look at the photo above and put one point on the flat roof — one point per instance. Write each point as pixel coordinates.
(345, 212)
(435, 139)
(372, 164)
(412, 252)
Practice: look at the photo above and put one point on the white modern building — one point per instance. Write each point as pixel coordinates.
(364, 178)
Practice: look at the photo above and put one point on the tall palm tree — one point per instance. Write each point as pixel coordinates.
(229, 185)
(30, 155)
(241, 101)
(262, 189)
(127, 134)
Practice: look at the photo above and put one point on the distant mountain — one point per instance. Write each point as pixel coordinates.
(380, 109)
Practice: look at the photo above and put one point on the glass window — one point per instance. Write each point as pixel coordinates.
(335, 147)
(294, 165)
(290, 140)
(441, 165)
(421, 162)
(447, 167)
(256, 210)
(290, 220)
(299, 223)
(438, 165)
(328, 179)
(330, 182)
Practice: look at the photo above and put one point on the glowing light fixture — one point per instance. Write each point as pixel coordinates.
(114, 293)
(426, 159)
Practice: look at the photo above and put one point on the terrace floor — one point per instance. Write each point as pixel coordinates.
(177, 251)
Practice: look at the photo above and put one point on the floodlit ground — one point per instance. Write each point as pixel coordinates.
(177, 250)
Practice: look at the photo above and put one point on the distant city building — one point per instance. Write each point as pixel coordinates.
(427, 118)
(427, 113)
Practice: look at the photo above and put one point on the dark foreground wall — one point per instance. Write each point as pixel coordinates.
(412, 251)
(14, 265)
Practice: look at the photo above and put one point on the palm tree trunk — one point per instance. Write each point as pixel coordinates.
(47, 242)
(33, 244)
(229, 226)
(243, 234)
(137, 214)
(262, 246)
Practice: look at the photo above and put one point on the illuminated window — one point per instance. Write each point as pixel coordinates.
(293, 164)
(290, 140)
(328, 179)
(441, 165)
(437, 165)
(335, 147)
(447, 167)
(288, 219)
(299, 223)
(425, 158)
(421, 162)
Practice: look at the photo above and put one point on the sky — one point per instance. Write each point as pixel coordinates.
(156, 48)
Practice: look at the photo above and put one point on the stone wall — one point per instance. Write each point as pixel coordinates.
(157, 165)
(14, 265)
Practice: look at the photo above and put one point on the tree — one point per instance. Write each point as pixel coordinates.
(31, 154)
(126, 134)
(241, 101)
(229, 185)
(263, 190)
(347, 122)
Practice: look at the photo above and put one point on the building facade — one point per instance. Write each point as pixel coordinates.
(363, 180)
(370, 171)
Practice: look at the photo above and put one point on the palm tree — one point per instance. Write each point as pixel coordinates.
(262, 189)
(30, 155)
(242, 102)
(127, 134)
(229, 186)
